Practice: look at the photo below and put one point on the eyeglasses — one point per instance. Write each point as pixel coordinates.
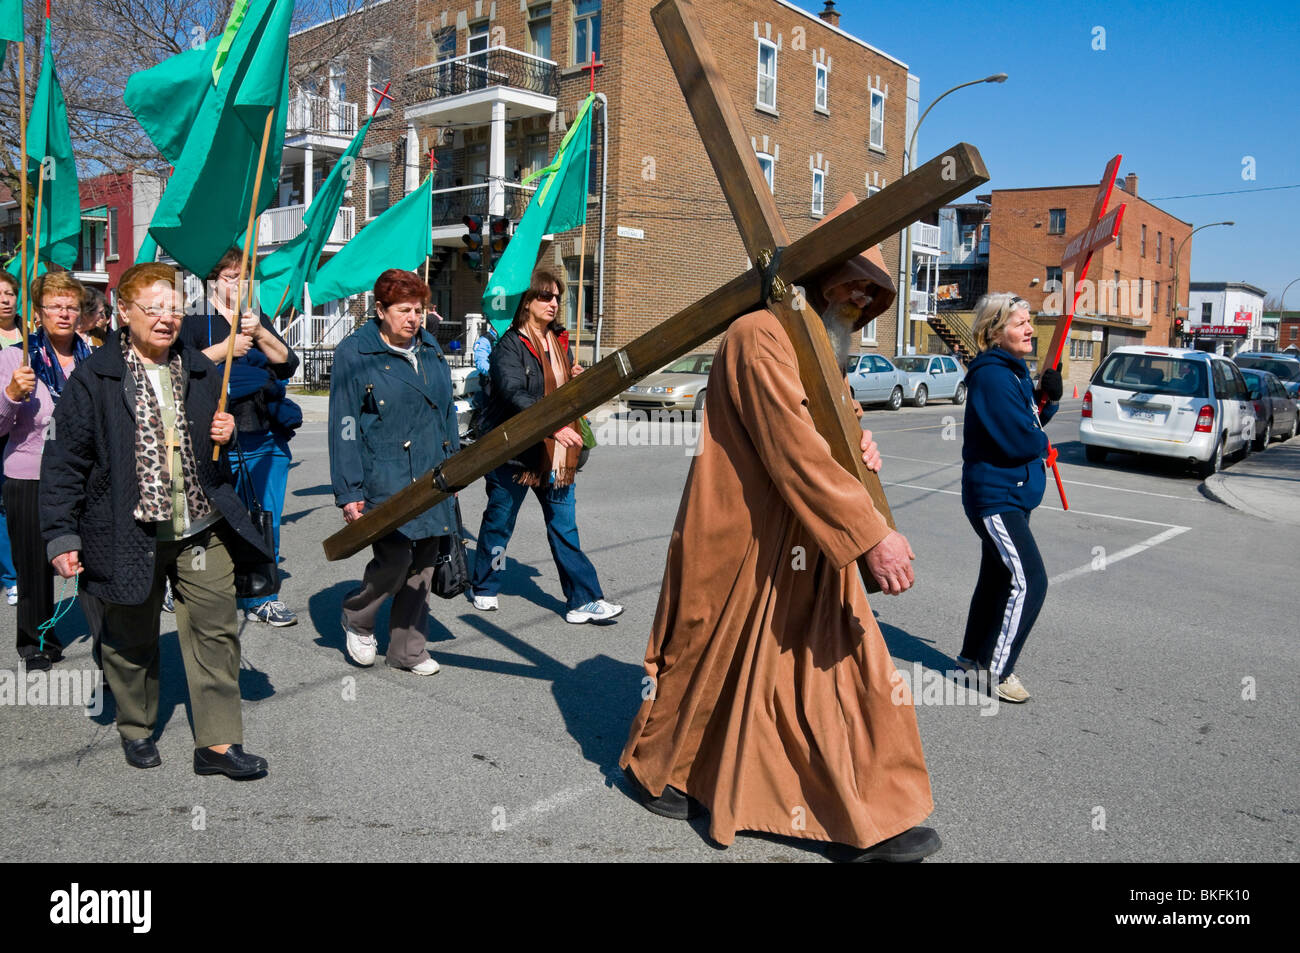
(546, 296)
(61, 309)
(157, 312)
(227, 276)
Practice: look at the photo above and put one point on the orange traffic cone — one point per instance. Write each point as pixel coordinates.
(1076, 391)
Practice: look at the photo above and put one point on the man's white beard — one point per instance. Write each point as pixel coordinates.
(838, 319)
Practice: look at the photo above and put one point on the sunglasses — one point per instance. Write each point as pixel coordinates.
(546, 296)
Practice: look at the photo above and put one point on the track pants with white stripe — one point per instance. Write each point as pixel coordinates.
(1008, 595)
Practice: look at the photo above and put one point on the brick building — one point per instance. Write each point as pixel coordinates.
(1129, 295)
(489, 88)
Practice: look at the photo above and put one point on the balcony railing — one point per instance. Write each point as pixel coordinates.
(451, 205)
(925, 236)
(316, 114)
(280, 225)
(922, 303)
(498, 66)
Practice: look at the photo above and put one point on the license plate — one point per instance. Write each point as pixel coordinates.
(1142, 414)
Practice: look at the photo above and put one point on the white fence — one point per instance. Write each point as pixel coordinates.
(279, 225)
(316, 114)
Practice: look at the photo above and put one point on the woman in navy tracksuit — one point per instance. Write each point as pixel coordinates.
(1002, 479)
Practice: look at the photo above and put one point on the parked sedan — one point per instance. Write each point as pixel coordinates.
(874, 380)
(1275, 412)
(679, 386)
(933, 376)
(1286, 367)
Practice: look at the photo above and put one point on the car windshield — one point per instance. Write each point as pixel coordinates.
(1286, 370)
(911, 364)
(1154, 374)
(687, 365)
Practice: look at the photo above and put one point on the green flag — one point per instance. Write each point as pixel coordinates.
(49, 157)
(283, 273)
(559, 204)
(11, 25)
(148, 250)
(205, 110)
(402, 237)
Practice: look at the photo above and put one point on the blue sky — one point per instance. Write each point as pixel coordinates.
(1185, 91)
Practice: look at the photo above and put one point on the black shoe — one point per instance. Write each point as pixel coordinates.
(905, 848)
(141, 753)
(42, 661)
(672, 803)
(235, 763)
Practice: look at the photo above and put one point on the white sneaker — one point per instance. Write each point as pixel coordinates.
(361, 648)
(427, 667)
(597, 611)
(485, 603)
(12, 595)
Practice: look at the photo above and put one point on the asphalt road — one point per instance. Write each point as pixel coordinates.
(1161, 728)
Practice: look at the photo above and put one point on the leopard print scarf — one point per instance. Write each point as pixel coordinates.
(151, 452)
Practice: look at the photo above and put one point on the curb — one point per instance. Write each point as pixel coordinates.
(1216, 488)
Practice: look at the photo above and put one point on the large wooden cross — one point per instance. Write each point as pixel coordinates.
(799, 263)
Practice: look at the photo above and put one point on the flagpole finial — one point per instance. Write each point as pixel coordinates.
(382, 94)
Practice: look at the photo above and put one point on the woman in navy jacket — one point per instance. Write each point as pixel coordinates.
(392, 419)
(1002, 479)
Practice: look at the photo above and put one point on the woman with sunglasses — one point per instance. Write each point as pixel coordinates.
(530, 361)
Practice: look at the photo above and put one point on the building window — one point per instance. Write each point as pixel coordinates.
(1171, 250)
(822, 87)
(1056, 221)
(766, 74)
(1160, 240)
(869, 332)
(570, 298)
(1141, 282)
(1155, 297)
(380, 75)
(377, 192)
(1114, 294)
(1142, 243)
(1207, 312)
(586, 31)
(1294, 330)
(768, 165)
(1053, 282)
(539, 30)
(1119, 240)
(819, 192)
(112, 234)
(872, 190)
(877, 120)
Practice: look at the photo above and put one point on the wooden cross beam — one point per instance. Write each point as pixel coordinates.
(803, 262)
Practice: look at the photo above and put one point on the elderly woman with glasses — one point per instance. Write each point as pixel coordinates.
(30, 394)
(530, 361)
(131, 497)
(1002, 480)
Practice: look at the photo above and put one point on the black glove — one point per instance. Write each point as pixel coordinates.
(1050, 384)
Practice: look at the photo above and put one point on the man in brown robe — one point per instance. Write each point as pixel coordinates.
(772, 703)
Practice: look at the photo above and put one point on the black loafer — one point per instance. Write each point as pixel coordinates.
(672, 803)
(905, 848)
(235, 763)
(141, 753)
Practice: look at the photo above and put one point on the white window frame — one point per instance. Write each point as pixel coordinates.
(372, 82)
(370, 182)
(767, 163)
(872, 190)
(869, 332)
(536, 16)
(821, 88)
(758, 93)
(111, 228)
(819, 192)
(585, 59)
(877, 124)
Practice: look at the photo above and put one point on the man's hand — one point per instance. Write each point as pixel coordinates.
(352, 511)
(568, 437)
(68, 564)
(890, 561)
(870, 452)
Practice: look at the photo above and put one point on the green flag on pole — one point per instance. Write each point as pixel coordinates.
(49, 156)
(560, 203)
(283, 273)
(11, 25)
(148, 250)
(205, 110)
(402, 237)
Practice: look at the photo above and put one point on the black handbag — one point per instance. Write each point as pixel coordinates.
(253, 580)
(451, 569)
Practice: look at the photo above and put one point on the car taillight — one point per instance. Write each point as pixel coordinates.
(1087, 404)
(1205, 419)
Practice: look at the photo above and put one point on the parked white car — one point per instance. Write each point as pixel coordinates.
(874, 380)
(933, 376)
(1169, 402)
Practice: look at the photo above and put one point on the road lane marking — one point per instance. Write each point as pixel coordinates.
(1111, 559)
(1054, 509)
(548, 804)
(1096, 486)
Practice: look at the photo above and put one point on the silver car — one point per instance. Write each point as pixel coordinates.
(932, 376)
(876, 381)
(678, 386)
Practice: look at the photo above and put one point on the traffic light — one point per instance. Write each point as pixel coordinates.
(473, 239)
(1179, 327)
(498, 238)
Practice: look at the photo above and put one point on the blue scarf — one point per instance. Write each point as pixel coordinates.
(45, 362)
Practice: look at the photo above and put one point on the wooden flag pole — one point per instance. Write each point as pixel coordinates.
(582, 247)
(25, 295)
(250, 235)
(36, 247)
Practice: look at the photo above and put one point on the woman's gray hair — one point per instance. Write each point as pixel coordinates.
(992, 314)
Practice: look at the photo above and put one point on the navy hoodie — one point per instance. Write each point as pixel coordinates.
(1004, 444)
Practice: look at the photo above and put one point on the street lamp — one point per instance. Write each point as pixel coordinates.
(1178, 251)
(1281, 311)
(907, 232)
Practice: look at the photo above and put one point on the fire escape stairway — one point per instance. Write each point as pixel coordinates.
(954, 333)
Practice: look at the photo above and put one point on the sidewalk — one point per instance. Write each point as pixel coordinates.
(1265, 484)
(316, 409)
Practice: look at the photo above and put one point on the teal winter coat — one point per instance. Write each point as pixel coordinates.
(389, 424)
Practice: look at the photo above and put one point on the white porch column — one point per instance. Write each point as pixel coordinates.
(308, 174)
(497, 161)
(412, 160)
